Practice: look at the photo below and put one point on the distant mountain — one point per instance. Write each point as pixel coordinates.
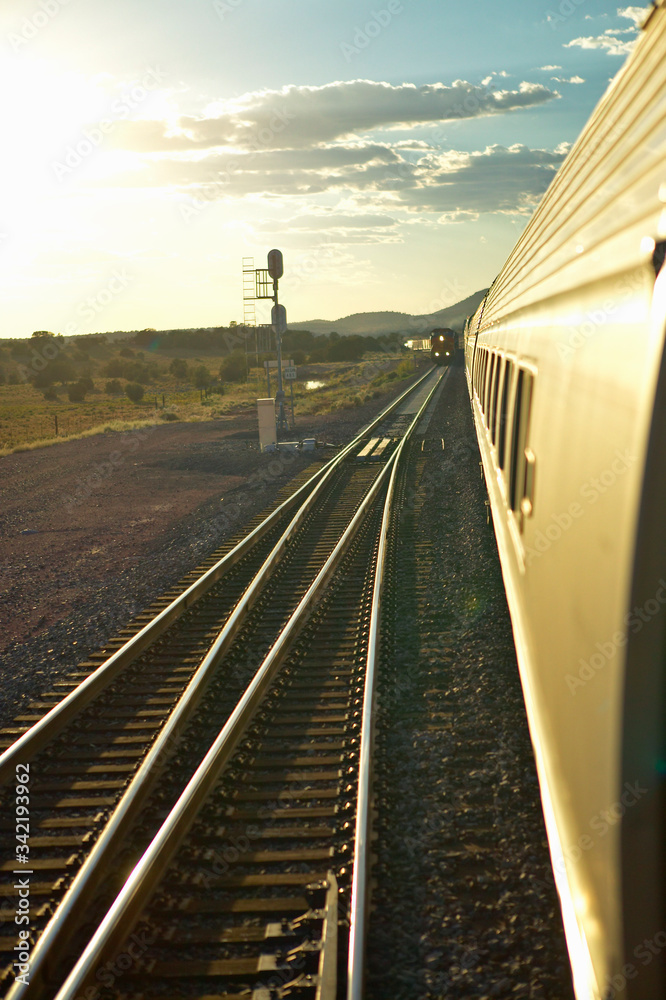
(370, 324)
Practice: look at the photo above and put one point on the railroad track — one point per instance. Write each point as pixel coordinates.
(97, 759)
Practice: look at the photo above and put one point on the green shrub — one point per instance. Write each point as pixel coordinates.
(76, 392)
(60, 369)
(114, 368)
(346, 348)
(134, 391)
(133, 371)
(113, 387)
(201, 377)
(233, 368)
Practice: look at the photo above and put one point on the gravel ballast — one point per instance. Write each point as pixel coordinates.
(464, 905)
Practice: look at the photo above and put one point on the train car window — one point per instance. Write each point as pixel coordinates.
(482, 380)
(494, 398)
(522, 463)
(503, 414)
(489, 385)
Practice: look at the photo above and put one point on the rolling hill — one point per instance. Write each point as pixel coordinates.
(374, 323)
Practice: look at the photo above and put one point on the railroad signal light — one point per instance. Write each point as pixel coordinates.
(279, 319)
(275, 264)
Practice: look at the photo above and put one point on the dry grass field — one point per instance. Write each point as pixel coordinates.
(31, 416)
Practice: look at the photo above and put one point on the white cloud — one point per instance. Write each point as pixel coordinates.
(548, 69)
(298, 117)
(333, 228)
(635, 14)
(417, 145)
(570, 79)
(316, 153)
(499, 179)
(331, 220)
(610, 40)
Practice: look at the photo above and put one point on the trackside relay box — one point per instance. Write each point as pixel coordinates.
(267, 430)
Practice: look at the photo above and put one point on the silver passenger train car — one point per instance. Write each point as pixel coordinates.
(567, 377)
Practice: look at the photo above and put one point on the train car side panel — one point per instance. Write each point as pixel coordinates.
(562, 361)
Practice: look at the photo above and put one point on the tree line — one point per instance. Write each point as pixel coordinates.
(53, 363)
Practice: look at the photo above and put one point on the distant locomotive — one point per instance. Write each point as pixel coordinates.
(443, 346)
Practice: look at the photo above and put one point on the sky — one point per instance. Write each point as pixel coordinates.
(392, 150)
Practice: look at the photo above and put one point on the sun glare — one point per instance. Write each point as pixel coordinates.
(57, 153)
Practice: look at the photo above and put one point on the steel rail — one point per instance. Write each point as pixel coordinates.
(127, 907)
(360, 878)
(35, 738)
(135, 795)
